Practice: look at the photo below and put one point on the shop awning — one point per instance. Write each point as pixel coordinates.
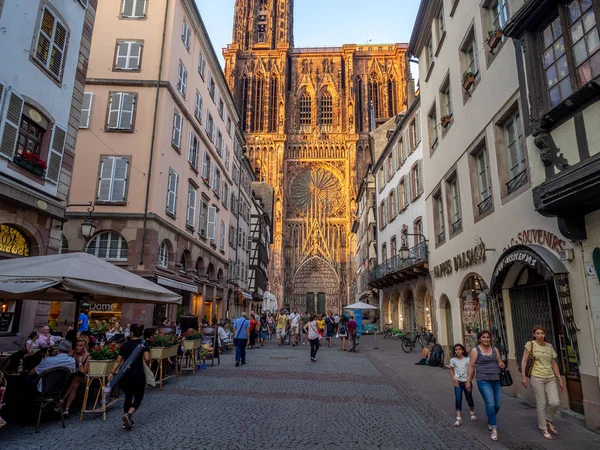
(245, 295)
(177, 284)
(64, 277)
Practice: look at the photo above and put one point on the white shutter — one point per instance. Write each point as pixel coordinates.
(140, 8)
(119, 182)
(207, 124)
(57, 149)
(114, 106)
(127, 107)
(201, 217)
(191, 209)
(212, 179)
(172, 192)
(135, 52)
(128, 8)
(212, 223)
(193, 151)
(86, 109)
(105, 182)
(204, 164)
(408, 188)
(122, 57)
(227, 152)
(420, 180)
(184, 81)
(10, 123)
(177, 129)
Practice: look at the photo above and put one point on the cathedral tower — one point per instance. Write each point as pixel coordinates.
(306, 116)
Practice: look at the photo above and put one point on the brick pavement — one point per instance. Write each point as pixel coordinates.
(280, 400)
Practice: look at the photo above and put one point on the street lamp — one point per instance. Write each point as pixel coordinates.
(404, 251)
(88, 227)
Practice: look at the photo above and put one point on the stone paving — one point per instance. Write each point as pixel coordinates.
(279, 400)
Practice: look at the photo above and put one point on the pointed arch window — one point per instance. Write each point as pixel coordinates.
(326, 111)
(392, 97)
(273, 100)
(244, 107)
(305, 110)
(358, 105)
(258, 106)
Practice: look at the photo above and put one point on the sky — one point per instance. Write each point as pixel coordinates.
(319, 23)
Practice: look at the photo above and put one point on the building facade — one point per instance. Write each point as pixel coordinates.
(305, 113)
(158, 133)
(261, 220)
(401, 276)
(559, 56)
(41, 90)
(495, 262)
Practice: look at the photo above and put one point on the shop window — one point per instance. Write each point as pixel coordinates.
(10, 314)
(474, 310)
(108, 245)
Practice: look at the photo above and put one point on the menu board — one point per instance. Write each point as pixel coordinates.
(5, 321)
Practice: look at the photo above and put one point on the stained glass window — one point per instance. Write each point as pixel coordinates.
(14, 242)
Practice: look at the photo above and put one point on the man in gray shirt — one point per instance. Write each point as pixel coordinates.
(61, 360)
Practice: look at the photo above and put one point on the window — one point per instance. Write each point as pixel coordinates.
(172, 193)
(121, 109)
(108, 245)
(430, 55)
(415, 129)
(201, 65)
(455, 214)
(202, 218)
(86, 110)
(193, 151)
(326, 111)
(584, 40)
(390, 167)
(223, 236)
(225, 195)
(227, 155)
(273, 103)
(245, 102)
(216, 186)
(433, 132)
(418, 230)
(470, 56)
(219, 143)
(112, 186)
(182, 79)
(440, 220)
(221, 107)
(393, 246)
(198, 107)
(417, 178)
(163, 255)
(191, 207)
(186, 35)
(209, 126)
(134, 9)
(257, 119)
(392, 97)
(402, 194)
(52, 42)
(446, 99)
(129, 55)
(485, 200)
(211, 87)
(375, 94)
(515, 155)
(305, 110)
(441, 26)
(381, 179)
(211, 230)
(177, 125)
(206, 166)
(384, 255)
(229, 126)
(392, 205)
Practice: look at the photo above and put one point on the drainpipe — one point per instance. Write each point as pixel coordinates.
(588, 307)
(162, 52)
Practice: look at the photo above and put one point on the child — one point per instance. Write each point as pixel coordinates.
(459, 366)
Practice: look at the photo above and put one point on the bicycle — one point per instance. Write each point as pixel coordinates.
(387, 331)
(409, 341)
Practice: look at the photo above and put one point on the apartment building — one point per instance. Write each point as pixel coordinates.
(401, 276)
(558, 65)
(41, 89)
(158, 129)
(496, 263)
(261, 228)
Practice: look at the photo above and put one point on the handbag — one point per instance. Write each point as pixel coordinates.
(505, 378)
(530, 362)
(150, 379)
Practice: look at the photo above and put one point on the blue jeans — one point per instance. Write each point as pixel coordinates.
(458, 392)
(491, 391)
(240, 350)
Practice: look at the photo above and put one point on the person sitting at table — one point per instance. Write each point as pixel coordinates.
(223, 335)
(45, 339)
(82, 363)
(31, 343)
(61, 360)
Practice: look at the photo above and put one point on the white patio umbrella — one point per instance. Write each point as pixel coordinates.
(364, 306)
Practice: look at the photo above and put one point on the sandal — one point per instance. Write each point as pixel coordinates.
(458, 422)
(546, 435)
(473, 417)
(552, 428)
(494, 435)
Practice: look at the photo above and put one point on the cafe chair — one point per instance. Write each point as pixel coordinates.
(53, 384)
(32, 361)
(14, 361)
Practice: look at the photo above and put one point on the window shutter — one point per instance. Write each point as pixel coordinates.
(122, 55)
(140, 8)
(59, 137)
(207, 124)
(9, 127)
(128, 8)
(212, 223)
(84, 3)
(191, 212)
(177, 129)
(408, 189)
(227, 152)
(134, 55)
(119, 182)
(172, 193)
(128, 105)
(106, 171)
(204, 164)
(223, 232)
(213, 180)
(86, 109)
(201, 217)
(420, 179)
(114, 106)
(183, 80)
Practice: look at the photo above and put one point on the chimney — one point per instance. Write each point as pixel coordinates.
(410, 92)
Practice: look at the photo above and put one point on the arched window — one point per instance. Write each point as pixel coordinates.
(245, 105)
(305, 110)
(326, 111)
(392, 97)
(273, 101)
(258, 105)
(163, 255)
(108, 245)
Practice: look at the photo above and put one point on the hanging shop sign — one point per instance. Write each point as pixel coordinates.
(462, 261)
(539, 237)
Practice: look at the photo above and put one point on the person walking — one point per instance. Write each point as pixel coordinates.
(486, 359)
(263, 331)
(241, 332)
(295, 327)
(282, 321)
(253, 330)
(329, 328)
(343, 331)
(459, 369)
(544, 371)
(133, 382)
(305, 319)
(314, 337)
(270, 325)
(321, 325)
(352, 328)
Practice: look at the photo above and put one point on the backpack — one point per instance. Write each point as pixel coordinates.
(436, 357)
(342, 329)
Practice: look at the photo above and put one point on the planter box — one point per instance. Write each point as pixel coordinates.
(468, 82)
(163, 352)
(191, 345)
(34, 169)
(495, 40)
(101, 368)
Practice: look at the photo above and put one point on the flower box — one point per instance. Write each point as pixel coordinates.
(163, 352)
(446, 120)
(30, 165)
(191, 345)
(495, 39)
(101, 368)
(468, 81)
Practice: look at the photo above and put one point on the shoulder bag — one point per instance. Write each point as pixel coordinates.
(530, 362)
(505, 378)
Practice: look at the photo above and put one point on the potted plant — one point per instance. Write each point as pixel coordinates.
(102, 359)
(494, 38)
(191, 339)
(164, 346)
(446, 120)
(468, 79)
(31, 162)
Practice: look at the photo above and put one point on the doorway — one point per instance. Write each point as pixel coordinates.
(321, 303)
(310, 302)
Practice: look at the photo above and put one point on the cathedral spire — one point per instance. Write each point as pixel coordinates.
(263, 24)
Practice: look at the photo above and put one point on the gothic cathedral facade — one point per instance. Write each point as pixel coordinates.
(306, 114)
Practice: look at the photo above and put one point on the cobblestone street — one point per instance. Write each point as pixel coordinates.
(280, 400)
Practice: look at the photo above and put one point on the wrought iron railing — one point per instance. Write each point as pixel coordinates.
(416, 255)
(485, 205)
(456, 226)
(516, 182)
(441, 237)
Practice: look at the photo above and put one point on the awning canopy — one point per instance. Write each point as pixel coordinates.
(63, 277)
(360, 305)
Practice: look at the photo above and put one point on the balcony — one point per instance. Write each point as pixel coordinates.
(396, 269)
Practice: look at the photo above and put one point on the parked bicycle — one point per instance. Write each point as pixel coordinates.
(387, 330)
(410, 340)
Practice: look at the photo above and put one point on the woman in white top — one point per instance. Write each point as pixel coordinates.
(313, 336)
(459, 368)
